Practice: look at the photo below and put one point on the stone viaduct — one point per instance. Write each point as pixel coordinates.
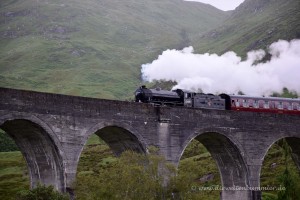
(51, 131)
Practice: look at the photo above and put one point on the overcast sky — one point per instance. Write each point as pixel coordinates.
(222, 4)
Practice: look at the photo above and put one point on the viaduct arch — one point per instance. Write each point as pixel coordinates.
(228, 155)
(293, 141)
(40, 148)
(119, 136)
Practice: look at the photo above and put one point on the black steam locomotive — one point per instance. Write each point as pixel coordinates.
(186, 98)
(179, 97)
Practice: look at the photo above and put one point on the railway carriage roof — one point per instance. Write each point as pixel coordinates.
(265, 98)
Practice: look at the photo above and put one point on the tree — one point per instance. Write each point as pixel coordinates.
(288, 179)
(285, 93)
(132, 176)
(7, 143)
(41, 192)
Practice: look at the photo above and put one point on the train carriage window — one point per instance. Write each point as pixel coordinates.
(241, 102)
(266, 104)
(294, 105)
(289, 106)
(245, 103)
(255, 104)
(251, 103)
(260, 103)
(237, 103)
(233, 103)
(279, 106)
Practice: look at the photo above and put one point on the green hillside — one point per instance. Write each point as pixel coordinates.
(254, 24)
(92, 47)
(96, 47)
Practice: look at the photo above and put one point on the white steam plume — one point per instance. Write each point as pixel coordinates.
(228, 73)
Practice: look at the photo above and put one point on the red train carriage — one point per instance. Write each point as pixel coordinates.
(264, 104)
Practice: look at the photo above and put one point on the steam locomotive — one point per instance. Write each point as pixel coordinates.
(187, 98)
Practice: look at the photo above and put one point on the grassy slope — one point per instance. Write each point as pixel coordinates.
(92, 47)
(96, 48)
(13, 174)
(254, 24)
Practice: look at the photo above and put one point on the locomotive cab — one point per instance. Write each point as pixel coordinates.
(186, 97)
(142, 94)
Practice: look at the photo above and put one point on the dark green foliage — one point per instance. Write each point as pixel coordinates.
(285, 93)
(41, 192)
(7, 143)
(283, 175)
(289, 180)
(268, 196)
(132, 176)
(290, 187)
(195, 163)
(193, 149)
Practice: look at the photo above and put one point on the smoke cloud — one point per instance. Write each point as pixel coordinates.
(228, 73)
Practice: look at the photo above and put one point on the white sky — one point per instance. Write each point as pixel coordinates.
(222, 4)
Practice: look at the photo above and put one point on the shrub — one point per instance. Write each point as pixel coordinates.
(41, 192)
